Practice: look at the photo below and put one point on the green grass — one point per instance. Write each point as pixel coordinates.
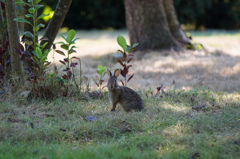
(176, 125)
(218, 33)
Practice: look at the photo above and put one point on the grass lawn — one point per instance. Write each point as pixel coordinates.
(197, 117)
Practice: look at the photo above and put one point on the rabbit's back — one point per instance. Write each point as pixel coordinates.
(127, 98)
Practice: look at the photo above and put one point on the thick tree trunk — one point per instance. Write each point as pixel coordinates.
(173, 23)
(148, 25)
(1, 21)
(56, 22)
(17, 69)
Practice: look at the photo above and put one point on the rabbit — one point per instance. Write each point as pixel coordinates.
(126, 97)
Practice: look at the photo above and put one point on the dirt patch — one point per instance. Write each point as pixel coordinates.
(218, 71)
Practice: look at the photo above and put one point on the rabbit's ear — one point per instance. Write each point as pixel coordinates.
(116, 73)
(109, 73)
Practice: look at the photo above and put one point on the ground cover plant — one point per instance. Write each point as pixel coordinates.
(196, 117)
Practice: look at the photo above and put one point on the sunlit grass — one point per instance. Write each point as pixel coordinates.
(172, 126)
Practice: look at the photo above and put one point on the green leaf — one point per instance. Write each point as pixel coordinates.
(46, 52)
(60, 42)
(103, 69)
(64, 46)
(31, 10)
(21, 2)
(134, 45)
(122, 42)
(39, 52)
(37, 1)
(43, 59)
(41, 25)
(95, 82)
(75, 39)
(22, 20)
(99, 72)
(71, 34)
(73, 47)
(64, 38)
(35, 60)
(29, 1)
(35, 29)
(34, 52)
(42, 15)
(45, 44)
(28, 15)
(39, 6)
(128, 48)
(28, 34)
(99, 67)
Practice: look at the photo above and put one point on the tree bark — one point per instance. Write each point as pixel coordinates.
(147, 24)
(1, 21)
(173, 23)
(56, 21)
(16, 65)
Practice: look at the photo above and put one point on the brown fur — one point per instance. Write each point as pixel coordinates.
(126, 97)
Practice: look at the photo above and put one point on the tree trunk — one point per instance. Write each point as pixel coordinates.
(148, 25)
(1, 21)
(173, 23)
(16, 65)
(56, 22)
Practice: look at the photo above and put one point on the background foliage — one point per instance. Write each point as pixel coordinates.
(103, 14)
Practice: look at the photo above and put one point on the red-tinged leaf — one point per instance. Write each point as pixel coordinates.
(123, 59)
(97, 78)
(159, 88)
(129, 66)
(119, 61)
(46, 64)
(60, 52)
(72, 51)
(62, 62)
(67, 69)
(104, 86)
(64, 76)
(130, 55)
(66, 59)
(74, 57)
(131, 50)
(73, 64)
(124, 72)
(130, 77)
(101, 81)
(129, 60)
(20, 47)
(55, 69)
(124, 55)
(121, 51)
(122, 82)
(69, 74)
